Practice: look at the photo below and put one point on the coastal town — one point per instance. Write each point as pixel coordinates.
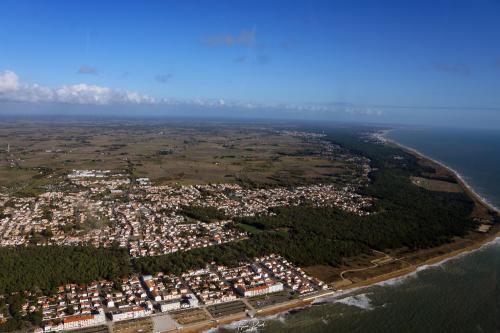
(192, 252)
(156, 297)
(150, 220)
(106, 208)
(270, 166)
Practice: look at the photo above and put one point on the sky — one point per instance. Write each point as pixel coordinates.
(410, 62)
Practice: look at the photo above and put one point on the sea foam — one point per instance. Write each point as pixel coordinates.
(361, 301)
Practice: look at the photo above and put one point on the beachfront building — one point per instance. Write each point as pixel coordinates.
(250, 280)
(189, 301)
(131, 313)
(81, 321)
(261, 289)
(76, 322)
(170, 305)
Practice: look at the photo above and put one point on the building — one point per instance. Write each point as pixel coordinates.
(250, 291)
(131, 313)
(78, 321)
(170, 305)
(53, 327)
(189, 301)
(74, 322)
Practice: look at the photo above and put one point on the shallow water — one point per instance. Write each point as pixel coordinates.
(459, 295)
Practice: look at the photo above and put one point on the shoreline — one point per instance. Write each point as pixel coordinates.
(283, 308)
(383, 137)
(270, 312)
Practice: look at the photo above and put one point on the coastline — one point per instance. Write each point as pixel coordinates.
(381, 279)
(383, 137)
(283, 308)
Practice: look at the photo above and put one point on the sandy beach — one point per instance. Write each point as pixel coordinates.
(263, 313)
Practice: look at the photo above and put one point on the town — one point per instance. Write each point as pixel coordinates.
(103, 302)
(114, 208)
(103, 208)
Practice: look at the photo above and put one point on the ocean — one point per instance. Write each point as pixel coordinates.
(461, 294)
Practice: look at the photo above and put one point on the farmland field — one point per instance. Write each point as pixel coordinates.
(37, 155)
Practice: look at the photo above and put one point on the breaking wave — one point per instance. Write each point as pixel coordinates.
(361, 301)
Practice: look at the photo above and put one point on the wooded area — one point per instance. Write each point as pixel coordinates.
(46, 267)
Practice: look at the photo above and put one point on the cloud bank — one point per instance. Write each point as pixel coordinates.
(12, 89)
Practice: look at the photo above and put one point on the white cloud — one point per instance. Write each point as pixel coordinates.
(9, 81)
(12, 89)
(327, 108)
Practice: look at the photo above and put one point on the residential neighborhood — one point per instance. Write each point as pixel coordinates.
(109, 209)
(75, 306)
(117, 209)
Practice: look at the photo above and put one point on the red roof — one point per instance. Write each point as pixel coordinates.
(77, 318)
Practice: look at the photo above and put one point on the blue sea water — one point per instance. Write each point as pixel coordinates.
(459, 295)
(474, 154)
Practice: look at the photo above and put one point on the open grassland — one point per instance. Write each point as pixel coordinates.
(436, 185)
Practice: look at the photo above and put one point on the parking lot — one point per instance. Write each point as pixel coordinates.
(267, 300)
(225, 309)
(94, 329)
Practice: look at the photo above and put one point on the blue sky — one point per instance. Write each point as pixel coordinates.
(387, 61)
